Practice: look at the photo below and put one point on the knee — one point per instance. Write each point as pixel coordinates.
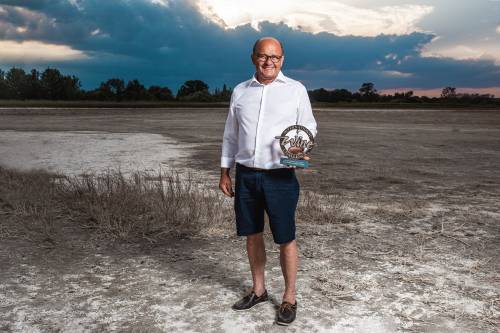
(255, 238)
(288, 245)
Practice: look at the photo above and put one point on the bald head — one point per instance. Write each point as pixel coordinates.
(268, 58)
(265, 40)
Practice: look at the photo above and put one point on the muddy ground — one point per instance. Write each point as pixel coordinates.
(416, 248)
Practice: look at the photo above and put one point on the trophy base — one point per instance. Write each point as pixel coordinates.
(293, 162)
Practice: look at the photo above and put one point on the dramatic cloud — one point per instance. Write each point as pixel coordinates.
(33, 51)
(466, 29)
(168, 42)
(316, 16)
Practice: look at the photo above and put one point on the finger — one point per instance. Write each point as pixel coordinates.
(224, 189)
(229, 190)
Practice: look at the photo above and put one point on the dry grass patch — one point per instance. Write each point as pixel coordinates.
(144, 205)
(317, 208)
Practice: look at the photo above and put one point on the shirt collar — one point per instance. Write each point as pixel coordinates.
(280, 78)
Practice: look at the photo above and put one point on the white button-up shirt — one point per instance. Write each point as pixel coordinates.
(259, 112)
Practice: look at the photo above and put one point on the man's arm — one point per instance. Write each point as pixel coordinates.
(225, 182)
(305, 116)
(229, 150)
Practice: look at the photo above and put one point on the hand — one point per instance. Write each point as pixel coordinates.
(225, 185)
(297, 150)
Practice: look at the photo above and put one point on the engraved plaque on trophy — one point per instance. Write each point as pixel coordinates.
(296, 142)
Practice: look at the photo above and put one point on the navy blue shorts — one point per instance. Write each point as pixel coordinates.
(274, 191)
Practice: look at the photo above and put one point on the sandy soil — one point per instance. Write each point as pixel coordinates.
(418, 248)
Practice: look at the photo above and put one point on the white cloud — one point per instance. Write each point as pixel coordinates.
(498, 30)
(317, 16)
(163, 3)
(397, 74)
(76, 4)
(461, 52)
(12, 51)
(490, 51)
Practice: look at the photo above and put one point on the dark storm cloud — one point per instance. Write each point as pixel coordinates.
(169, 44)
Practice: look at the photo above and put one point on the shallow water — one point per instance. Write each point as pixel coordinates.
(77, 152)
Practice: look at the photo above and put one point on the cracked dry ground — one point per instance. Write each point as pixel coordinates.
(362, 276)
(414, 245)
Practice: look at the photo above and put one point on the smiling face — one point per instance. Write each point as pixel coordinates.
(262, 58)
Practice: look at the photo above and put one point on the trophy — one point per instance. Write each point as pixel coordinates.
(296, 141)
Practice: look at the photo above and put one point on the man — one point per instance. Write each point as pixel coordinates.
(260, 109)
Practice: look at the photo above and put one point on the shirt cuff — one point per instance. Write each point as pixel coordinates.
(226, 162)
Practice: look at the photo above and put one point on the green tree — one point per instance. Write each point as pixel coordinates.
(71, 88)
(223, 95)
(368, 92)
(320, 95)
(4, 89)
(449, 92)
(192, 86)
(135, 91)
(340, 95)
(199, 96)
(160, 93)
(33, 85)
(112, 89)
(16, 82)
(56, 86)
(51, 83)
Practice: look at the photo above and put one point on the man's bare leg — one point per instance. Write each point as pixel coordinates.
(256, 251)
(289, 263)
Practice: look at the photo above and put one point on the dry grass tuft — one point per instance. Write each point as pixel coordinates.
(141, 206)
(146, 205)
(31, 198)
(324, 209)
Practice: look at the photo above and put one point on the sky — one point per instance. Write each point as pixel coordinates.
(422, 45)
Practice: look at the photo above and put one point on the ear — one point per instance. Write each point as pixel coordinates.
(254, 61)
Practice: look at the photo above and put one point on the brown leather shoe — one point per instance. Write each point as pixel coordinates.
(286, 313)
(249, 301)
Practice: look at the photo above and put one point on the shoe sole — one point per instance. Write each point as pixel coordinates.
(237, 310)
(283, 323)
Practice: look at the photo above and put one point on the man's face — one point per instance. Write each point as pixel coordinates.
(268, 59)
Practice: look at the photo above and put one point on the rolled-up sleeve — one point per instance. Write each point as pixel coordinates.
(230, 139)
(304, 115)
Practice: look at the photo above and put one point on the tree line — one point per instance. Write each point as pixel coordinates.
(368, 93)
(51, 84)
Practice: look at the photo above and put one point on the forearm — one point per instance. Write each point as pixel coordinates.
(224, 171)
